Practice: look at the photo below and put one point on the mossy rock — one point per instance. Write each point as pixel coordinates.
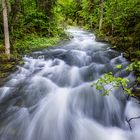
(3, 75)
(9, 65)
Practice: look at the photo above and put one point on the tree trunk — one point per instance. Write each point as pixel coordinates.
(15, 10)
(6, 30)
(9, 7)
(101, 14)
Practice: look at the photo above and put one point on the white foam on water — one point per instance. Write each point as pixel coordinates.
(50, 97)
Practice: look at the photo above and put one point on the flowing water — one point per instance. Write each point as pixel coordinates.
(51, 98)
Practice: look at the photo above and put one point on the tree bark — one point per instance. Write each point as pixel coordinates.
(6, 30)
(101, 14)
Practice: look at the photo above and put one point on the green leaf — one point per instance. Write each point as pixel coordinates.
(119, 66)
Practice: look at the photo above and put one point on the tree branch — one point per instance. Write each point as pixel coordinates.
(134, 118)
(129, 124)
(129, 120)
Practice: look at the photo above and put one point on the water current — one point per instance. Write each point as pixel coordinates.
(50, 97)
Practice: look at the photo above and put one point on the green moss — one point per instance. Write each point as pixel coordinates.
(8, 65)
(33, 42)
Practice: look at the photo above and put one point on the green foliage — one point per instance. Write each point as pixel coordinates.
(113, 82)
(34, 42)
(30, 17)
(134, 66)
(119, 66)
(121, 18)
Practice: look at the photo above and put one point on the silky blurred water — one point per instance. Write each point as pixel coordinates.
(50, 97)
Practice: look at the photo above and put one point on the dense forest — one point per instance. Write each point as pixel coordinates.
(116, 21)
(34, 24)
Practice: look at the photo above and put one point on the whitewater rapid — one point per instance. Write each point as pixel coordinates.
(50, 97)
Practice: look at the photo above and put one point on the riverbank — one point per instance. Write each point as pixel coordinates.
(20, 48)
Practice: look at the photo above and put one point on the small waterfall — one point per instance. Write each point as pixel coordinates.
(50, 97)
